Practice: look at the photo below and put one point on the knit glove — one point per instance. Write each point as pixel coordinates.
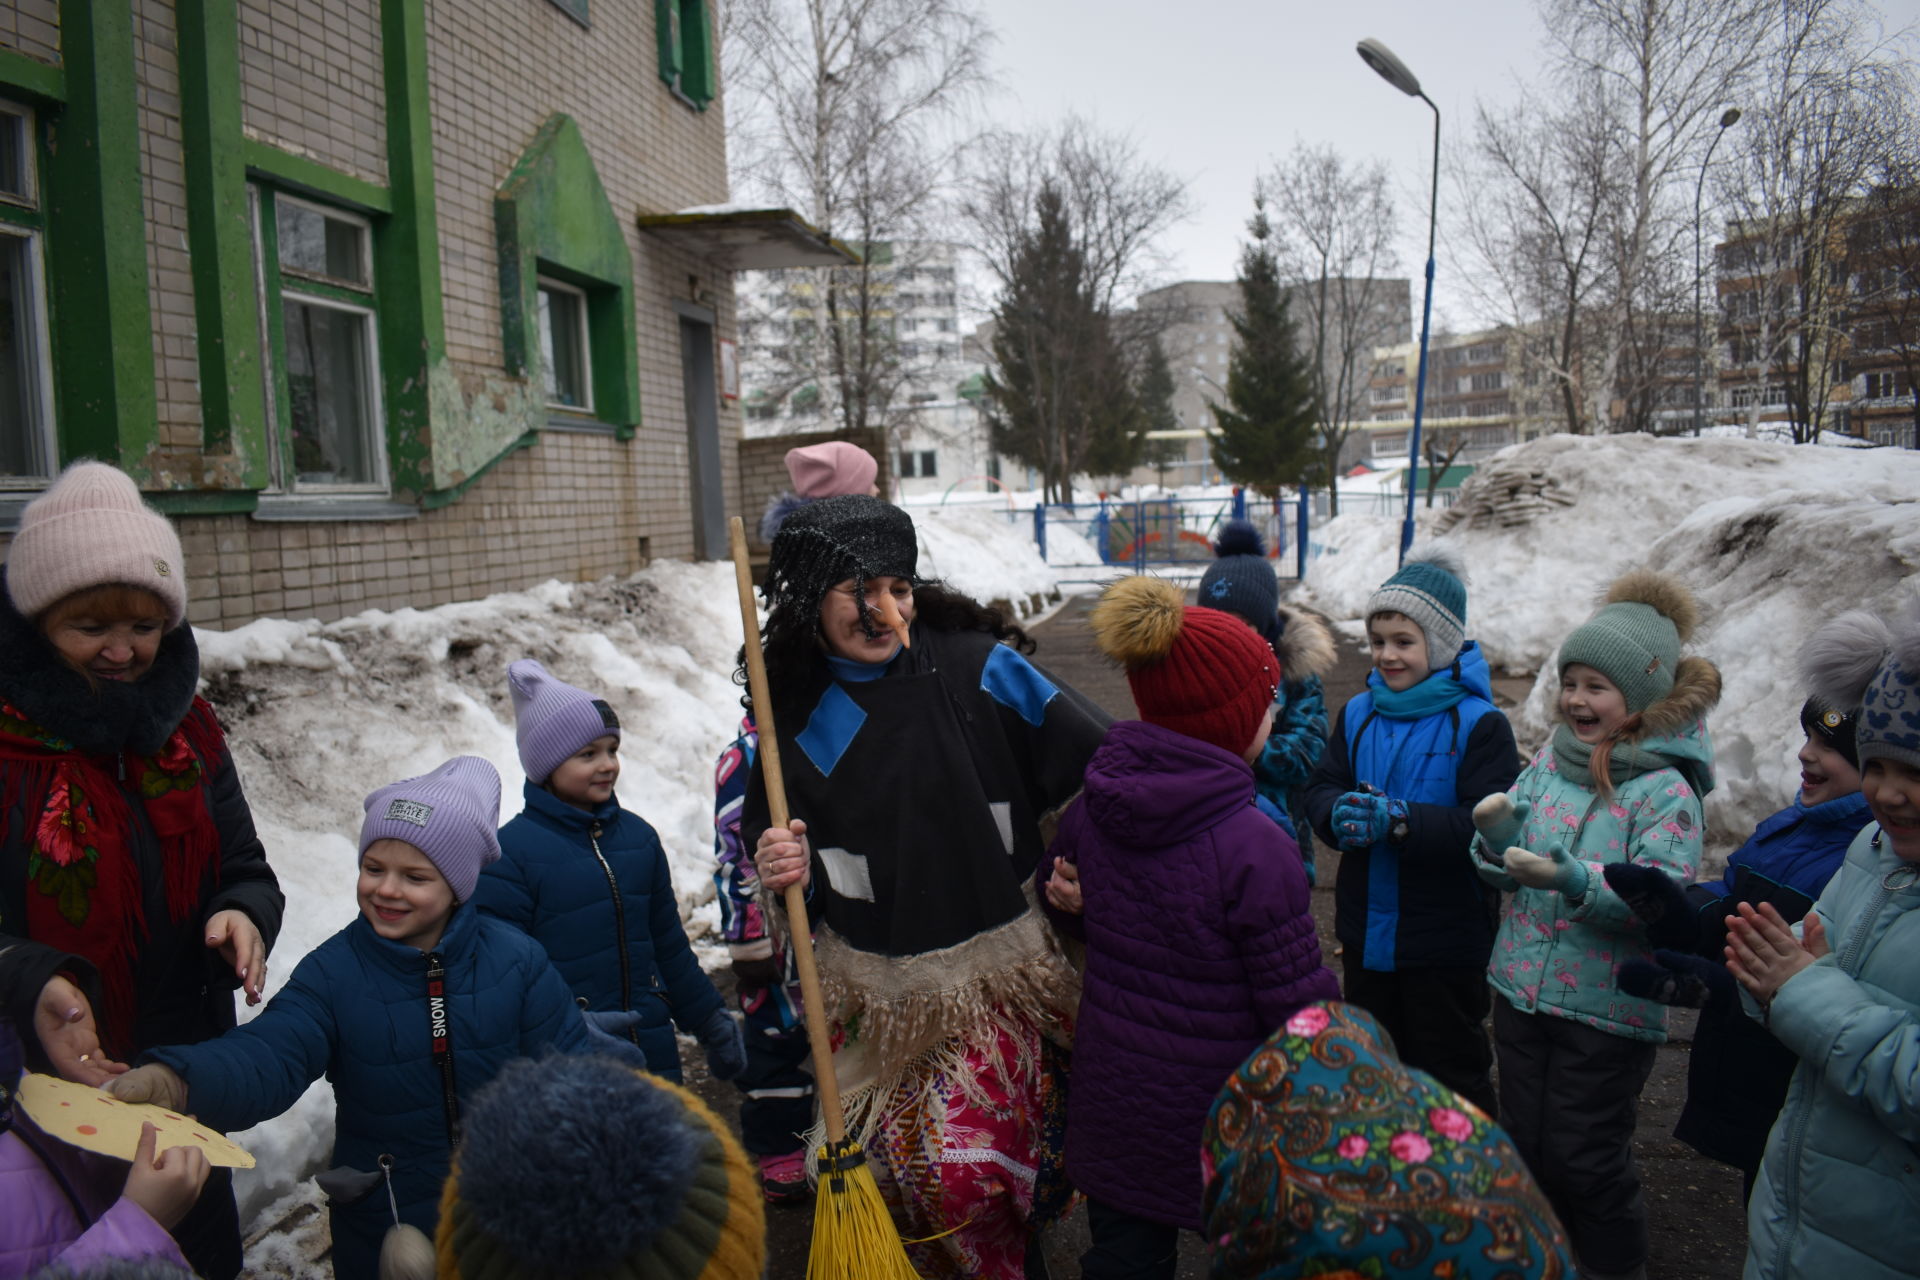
(1499, 820)
(1556, 871)
(1658, 901)
(725, 1043)
(611, 1032)
(1679, 979)
(1362, 819)
(155, 1082)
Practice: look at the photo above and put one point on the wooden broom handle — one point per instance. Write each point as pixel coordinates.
(796, 902)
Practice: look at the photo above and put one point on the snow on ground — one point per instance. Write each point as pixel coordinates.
(319, 715)
(1773, 539)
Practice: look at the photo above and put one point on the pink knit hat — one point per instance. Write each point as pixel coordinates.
(451, 815)
(831, 470)
(90, 529)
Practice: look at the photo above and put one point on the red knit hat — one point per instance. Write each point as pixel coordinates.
(1200, 672)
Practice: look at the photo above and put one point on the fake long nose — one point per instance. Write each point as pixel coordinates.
(890, 614)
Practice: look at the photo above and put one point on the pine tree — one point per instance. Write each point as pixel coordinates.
(1157, 413)
(1264, 433)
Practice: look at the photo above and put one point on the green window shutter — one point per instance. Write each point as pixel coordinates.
(667, 21)
(696, 52)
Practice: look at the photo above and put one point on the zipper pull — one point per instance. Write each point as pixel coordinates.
(594, 831)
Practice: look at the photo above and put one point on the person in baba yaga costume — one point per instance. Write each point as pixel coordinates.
(920, 754)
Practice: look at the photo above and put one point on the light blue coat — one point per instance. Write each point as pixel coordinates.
(1839, 1191)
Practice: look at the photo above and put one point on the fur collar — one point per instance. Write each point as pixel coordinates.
(116, 717)
(1306, 646)
(1696, 690)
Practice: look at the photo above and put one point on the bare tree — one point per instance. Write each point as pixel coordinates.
(852, 112)
(1335, 224)
(1832, 102)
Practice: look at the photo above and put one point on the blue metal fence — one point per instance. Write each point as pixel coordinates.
(1170, 535)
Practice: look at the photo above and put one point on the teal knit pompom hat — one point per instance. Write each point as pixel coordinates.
(1431, 589)
(1635, 638)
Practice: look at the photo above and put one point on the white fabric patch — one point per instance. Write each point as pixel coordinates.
(1003, 819)
(848, 874)
(409, 811)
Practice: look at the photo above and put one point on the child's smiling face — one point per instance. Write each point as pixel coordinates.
(1892, 789)
(403, 895)
(585, 779)
(1591, 704)
(1824, 773)
(1399, 649)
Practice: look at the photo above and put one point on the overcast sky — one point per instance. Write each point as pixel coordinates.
(1214, 89)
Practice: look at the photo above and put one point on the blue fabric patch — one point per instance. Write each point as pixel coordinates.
(830, 729)
(1015, 684)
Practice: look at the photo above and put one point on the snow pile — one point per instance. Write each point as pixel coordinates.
(319, 715)
(1773, 539)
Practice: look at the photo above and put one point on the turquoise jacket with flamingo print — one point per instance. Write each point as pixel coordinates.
(1558, 956)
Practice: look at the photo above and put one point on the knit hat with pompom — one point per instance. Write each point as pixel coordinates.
(1431, 589)
(583, 1166)
(1196, 671)
(1863, 660)
(1241, 581)
(1634, 640)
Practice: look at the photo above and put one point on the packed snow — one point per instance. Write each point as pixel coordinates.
(1773, 539)
(319, 715)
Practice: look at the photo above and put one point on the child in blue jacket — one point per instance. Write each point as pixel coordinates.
(1737, 1074)
(589, 881)
(407, 1012)
(1394, 793)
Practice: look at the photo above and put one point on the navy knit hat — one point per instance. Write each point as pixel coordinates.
(1431, 589)
(1862, 660)
(1832, 726)
(1240, 581)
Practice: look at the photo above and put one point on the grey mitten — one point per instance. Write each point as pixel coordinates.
(1499, 820)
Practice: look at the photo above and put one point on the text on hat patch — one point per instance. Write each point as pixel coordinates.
(409, 811)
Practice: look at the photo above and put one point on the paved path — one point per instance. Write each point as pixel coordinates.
(1698, 1225)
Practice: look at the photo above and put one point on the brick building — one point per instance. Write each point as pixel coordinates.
(386, 302)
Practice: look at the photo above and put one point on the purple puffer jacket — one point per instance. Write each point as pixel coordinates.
(1199, 945)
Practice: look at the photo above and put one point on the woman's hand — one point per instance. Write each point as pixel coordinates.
(1063, 888)
(233, 934)
(781, 858)
(1763, 953)
(165, 1183)
(63, 1020)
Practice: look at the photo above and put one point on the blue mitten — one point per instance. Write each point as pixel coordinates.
(1556, 871)
(611, 1033)
(1362, 819)
(725, 1043)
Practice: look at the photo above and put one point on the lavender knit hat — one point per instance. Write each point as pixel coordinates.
(89, 529)
(552, 719)
(452, 815)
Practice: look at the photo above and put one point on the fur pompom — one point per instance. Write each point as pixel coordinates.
(1840, 659)
(407, 1254)
(1239, 538)
(1696, 691)
(1306, 646)
(1667, 595)
(1137, 620)
(1441, 555)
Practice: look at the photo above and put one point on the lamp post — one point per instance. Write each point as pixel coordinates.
(1728, 119)
(1395, 73)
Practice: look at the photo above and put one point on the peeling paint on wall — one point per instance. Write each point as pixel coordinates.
(476, 419)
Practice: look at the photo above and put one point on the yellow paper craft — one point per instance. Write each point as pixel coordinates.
(95, 1121)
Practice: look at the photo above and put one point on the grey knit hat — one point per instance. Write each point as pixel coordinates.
(1634, 640)
(452, 815)
(1431, 589)
(1862, 660)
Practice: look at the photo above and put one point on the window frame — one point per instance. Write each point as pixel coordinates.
(583, 343)
(693, 80)
(22, 217)
(277, 285)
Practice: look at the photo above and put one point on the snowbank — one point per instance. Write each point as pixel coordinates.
(1772, 538)
(319, 715)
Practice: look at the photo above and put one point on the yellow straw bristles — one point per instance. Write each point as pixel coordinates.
(853, 1234)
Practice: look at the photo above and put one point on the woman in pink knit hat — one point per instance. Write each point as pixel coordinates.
(831, 470)
(133, 888)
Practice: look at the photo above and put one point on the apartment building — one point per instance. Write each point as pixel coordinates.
(385, 302)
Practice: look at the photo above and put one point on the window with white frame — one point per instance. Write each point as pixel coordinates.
(317, 279)
(563, 346)
(27, 453)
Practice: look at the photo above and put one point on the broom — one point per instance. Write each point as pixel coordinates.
(853, 1234)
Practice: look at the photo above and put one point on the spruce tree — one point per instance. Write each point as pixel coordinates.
(1157, 413)
(1263, 435)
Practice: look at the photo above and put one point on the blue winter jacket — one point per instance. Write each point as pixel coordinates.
(1417, 903)
(356, 1010)
(1799, 847)
(594, 890)
(1839, 1192)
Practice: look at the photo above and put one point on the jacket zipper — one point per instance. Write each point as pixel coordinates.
(1844, 962)
(620, 927)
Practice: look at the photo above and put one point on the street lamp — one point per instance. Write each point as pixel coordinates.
(1728, 119)
(1396, 73)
